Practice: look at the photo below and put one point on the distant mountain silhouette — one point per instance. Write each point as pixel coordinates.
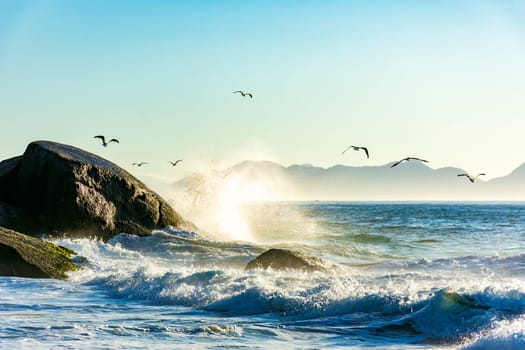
(517, 175)
(409, 181)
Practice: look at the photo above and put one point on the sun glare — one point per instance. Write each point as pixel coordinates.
(231, 200)
(220, 204)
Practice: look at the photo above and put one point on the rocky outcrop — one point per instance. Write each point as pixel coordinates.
(8, 215)
(57, 189)
(25, 256)
(279, 259)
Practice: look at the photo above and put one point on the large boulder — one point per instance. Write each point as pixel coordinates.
(279, 259)
(8, 215)
(25, 256)
(57, 189)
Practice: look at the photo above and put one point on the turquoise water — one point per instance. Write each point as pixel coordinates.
(407, 276)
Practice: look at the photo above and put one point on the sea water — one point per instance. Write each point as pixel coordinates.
(406, 276)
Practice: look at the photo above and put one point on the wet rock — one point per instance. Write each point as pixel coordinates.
(279, 259)
(25, 256)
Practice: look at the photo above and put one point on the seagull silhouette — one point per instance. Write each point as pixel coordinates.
(243, 94)
(408, 159)
(104, 143)
(472, 178)
(139, 164)
(175, 162)
(357, 148)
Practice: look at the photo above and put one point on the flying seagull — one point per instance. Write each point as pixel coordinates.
(139, 164)
(357, 148)
(408, 159)
(244, 94)
(104, 143)
(470, 177)
(175, 162)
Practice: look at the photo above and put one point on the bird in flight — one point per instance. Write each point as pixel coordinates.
(243, 94)
(357, 148)
(104, 143)
(175, 162)
(472, 178)
(408, 159)
(139, 164)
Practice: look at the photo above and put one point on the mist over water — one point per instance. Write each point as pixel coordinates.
(407, 275)
(218, 202)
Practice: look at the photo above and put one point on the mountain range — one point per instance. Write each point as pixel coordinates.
(411, 181)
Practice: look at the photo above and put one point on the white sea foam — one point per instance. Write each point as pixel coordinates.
(503, 335)
(157, 270)
(399, 284)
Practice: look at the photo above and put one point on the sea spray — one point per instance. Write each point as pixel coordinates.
(409, 276)
(171, 270)
(504, 335)
(225, 205)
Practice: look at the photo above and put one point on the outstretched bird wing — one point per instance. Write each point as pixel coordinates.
(100, 137)
(347, 149)
(113, 140)
(471, 179)
(249, 94)
(398, 162)
(366, 151)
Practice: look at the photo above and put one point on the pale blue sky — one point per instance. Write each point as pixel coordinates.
(441, 80)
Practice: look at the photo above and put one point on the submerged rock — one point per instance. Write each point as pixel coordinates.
(59, 189)
(286, 259)
(25, 256)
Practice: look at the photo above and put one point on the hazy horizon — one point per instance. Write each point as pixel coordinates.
(440, 80)
(264, 181)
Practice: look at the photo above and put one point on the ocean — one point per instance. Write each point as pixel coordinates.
(407, 276)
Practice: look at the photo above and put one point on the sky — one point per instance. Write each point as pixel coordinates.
(439, 80)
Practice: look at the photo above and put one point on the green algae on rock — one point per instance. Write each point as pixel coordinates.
(25, 256)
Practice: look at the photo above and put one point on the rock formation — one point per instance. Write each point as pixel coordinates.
(56, 189)
(279, 259)
(25, 256)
